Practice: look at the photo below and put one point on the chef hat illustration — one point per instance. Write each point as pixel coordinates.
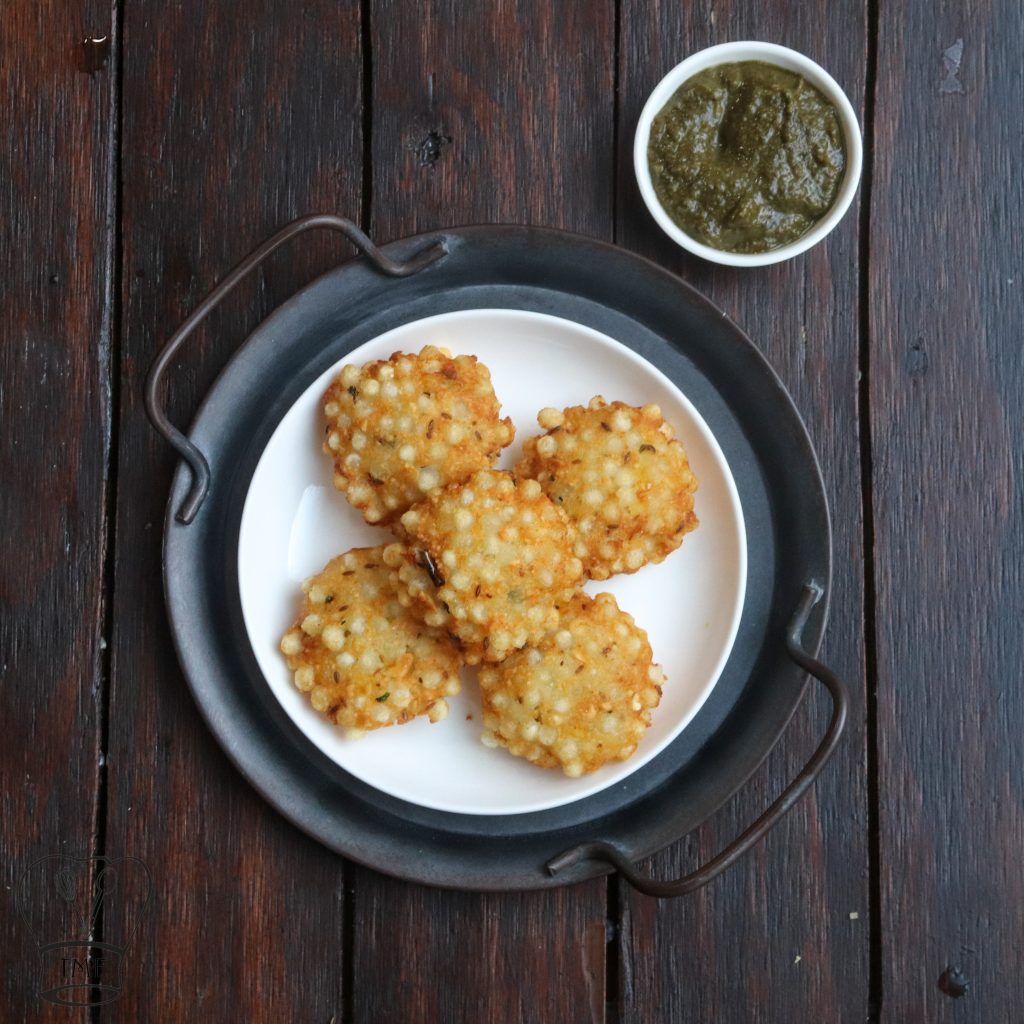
(65, 900)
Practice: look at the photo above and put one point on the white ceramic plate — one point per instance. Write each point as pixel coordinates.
(294, 522)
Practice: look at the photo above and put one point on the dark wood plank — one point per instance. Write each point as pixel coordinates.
(235, 120)
(947, 384)
(56, 250)
(503, 116)
(730, 953)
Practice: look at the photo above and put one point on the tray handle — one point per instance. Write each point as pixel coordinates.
(158, 417)
(791, 794)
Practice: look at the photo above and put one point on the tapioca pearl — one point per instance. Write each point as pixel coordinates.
(615, 444)
(407, 453)
(625, 478)
(455, 433)
(634, 558)
(435, 618)
(428, 479)
(530, 489)
(350, 374)
(505, 485)
(597, 402)
(345, 660)
(320, 698)
(478, 612)
(438, 711)
(452, 686)
(344, 421)
(291, 643)
(438, 452)
(359, 494)
(651, 411)
(488, 739)
(304, 678)
(534, 656)
(490, 574)
(593, 497)
(611, 512)
(331, 409)
(352, 461)
(333, 637)
(358, 440)
(547, 735)
(574, 769)
(527, 518)
(467, 497)
(550, 418)
(546, 578)
(546, 446)
(380, 714)
(357, 627)
(390, 502)
(591, 476)
(626, 495)
(609, 467)
(633, 439)
(621, 421)
(312, 624)
(588, 435)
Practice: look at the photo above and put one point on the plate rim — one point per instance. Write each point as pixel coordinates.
(606, 341)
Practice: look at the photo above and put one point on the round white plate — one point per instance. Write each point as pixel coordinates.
(294, 522)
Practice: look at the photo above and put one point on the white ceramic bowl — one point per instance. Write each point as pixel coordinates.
(769, 53)
(690, 604)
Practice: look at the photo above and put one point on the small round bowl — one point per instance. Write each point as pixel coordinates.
(769, 53)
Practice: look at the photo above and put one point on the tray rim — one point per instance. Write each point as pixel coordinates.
(403, 247)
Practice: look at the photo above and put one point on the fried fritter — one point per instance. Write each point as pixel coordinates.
(622, 479)
(581, 697)
(364, 660)
(400, 429)
(488, 559)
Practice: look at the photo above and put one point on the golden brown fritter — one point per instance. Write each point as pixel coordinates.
(364, 660)
(622, 479)
(488, 559)
(578, 699)
(400, 429)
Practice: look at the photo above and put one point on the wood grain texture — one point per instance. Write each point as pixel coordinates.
(730, 953)
(947, 379)
(236, 119)
(498, 117)
(56, 246)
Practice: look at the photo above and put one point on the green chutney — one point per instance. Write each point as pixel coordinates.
(746, 157)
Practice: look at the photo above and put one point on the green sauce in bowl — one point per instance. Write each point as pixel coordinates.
(746, 157)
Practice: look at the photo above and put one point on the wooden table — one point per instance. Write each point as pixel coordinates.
(136, 170)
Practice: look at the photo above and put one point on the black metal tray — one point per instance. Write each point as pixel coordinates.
(710, 360)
